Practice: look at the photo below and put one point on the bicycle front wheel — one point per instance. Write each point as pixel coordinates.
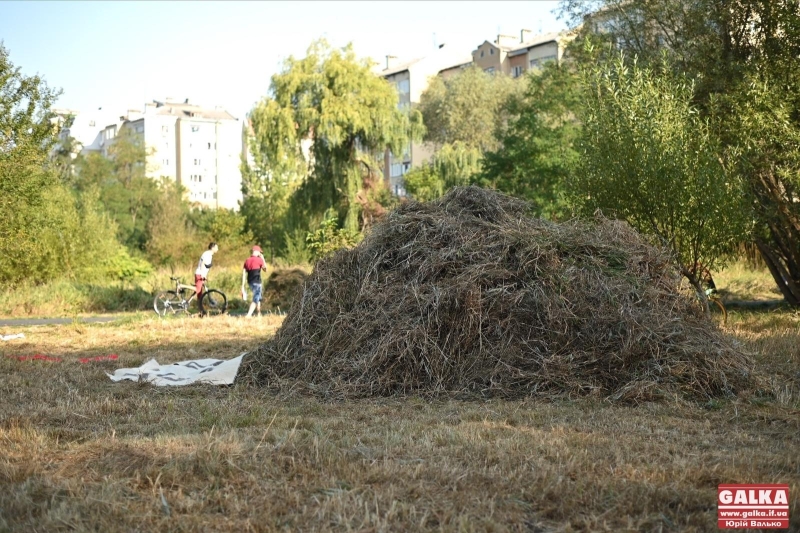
(166, 302)
(213, 302)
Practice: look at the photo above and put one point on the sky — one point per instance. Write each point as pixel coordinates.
(118, 55)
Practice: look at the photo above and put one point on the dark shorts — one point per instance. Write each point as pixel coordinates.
(256, 289)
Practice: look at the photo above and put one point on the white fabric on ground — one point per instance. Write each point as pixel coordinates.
(14, 336)
(212, 371)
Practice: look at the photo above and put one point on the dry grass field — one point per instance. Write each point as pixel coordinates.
(80, 453)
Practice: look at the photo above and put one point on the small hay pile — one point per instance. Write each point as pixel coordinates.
(468, 295)
(282, 287)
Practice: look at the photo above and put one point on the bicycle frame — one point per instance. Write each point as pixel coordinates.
(181, 286)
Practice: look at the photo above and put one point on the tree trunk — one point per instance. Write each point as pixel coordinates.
(694, 280)
(781, 270)
(782, 251)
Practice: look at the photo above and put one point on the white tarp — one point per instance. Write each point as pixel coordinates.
(212, 371)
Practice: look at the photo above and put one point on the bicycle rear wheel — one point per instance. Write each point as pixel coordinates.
(213, 303)
(167, 302)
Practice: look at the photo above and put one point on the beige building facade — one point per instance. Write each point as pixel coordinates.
(514, 58)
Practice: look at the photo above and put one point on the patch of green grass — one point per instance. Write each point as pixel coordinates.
(738, 281)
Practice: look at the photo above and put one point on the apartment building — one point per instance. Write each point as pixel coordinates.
(514, 56)
(198, 147)
(411, 79)
(89, 130)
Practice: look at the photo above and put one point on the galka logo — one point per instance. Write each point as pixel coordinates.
(753, 506)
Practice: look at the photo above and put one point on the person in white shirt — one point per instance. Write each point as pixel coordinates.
(201, 274)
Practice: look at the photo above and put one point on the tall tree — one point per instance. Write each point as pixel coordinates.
(740, 54)
(126, 192)
(26, 137)
(468, 108)
(331, 98)
(462, 117)
(266, 192)
(537, 152)
(649, 159)
(171, 237)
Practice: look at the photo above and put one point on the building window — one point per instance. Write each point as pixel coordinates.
(538, 62)
(195, 129)
(91, 123)
(489, 70)
(215, 196)
(481, 53)
(491, 51)
(196, 162)
(403, 86)
(164, 129)
(165, 162)
(518, 71)
(209, 146)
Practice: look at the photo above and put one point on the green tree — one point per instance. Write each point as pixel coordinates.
(649, 159)
(423, 183)
(224, 226)
(740, 55)
(463, 116)
(332, 99)
(468, 108)
(126, 192)
(537, 152)
(266, 197)
(26, 138)
(329, 237)
(62, 158)
(767, 154)
(171, 237)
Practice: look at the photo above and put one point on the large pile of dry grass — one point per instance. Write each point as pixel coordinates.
(470, 295)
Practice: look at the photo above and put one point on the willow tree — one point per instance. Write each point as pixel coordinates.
(332, 100)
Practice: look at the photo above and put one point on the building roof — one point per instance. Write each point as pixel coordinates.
(186, 110)
(461, 62)
(536, 41)
(399, 68)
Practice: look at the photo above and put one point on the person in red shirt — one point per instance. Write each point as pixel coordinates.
(251, 274)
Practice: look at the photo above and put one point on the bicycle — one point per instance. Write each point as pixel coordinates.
(212, 301)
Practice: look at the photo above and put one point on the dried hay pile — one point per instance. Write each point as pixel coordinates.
(469, 295)
(282, 287)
